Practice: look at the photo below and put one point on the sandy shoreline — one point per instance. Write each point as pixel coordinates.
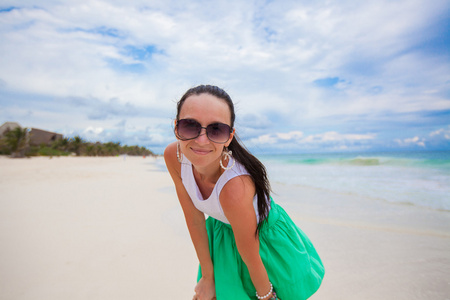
(90, 228)
(111, 228)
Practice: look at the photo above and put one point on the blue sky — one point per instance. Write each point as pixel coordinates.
(306, 76)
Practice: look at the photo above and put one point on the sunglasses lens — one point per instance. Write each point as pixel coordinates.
(218, 132)
(188, 129)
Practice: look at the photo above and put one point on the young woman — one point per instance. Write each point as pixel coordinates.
(248, 248)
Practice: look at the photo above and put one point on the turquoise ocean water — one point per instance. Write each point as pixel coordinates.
(414, 178)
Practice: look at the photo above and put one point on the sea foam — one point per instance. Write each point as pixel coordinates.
(417, 178)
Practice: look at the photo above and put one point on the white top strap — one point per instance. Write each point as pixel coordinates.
(212, 206)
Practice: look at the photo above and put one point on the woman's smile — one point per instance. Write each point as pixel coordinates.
(200, 151)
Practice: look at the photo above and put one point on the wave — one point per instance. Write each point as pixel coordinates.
(419, 178)
(364, 161)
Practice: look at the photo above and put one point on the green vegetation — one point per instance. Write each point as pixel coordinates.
(16, 144)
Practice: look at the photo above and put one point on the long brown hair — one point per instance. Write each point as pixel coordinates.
(253, 166)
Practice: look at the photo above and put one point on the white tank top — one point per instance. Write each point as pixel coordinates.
(211, 206)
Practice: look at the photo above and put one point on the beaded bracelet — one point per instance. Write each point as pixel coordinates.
(268, 294)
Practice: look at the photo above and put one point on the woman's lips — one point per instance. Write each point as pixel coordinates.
(201, 151)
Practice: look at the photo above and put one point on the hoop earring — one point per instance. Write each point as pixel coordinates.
(179, 155)
(227, 156)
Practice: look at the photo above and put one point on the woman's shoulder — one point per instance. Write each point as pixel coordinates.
(170, 157)
(170, 149)
(170, 152)
(237, 188)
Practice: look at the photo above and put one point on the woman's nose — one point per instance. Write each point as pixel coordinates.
(202, 138)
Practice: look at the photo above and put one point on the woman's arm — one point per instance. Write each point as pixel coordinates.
(237, 203)
(195, 221)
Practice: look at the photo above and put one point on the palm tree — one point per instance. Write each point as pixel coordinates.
(76, 144)
(17, 140)
(61, 144)
(112, 149)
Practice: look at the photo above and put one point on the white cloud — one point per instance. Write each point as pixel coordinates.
(442, 132)
(264, 139)
(295, 139)
(292, 136)
(335, 136)
(266, 55)
(411, 141)
(92, 130)
(439, 138)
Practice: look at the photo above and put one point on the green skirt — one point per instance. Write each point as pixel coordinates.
(293, 265)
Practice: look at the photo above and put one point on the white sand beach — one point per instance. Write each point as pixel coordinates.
(111, 228)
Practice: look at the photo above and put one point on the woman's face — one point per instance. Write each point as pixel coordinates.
(205, 109)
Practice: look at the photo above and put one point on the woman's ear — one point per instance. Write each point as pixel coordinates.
(231, 137)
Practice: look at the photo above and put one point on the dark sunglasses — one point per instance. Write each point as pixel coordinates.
(188, 129)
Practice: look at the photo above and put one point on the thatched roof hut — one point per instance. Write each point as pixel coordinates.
(8, 126)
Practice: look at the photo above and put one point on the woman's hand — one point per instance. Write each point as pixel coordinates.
(205, 289)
